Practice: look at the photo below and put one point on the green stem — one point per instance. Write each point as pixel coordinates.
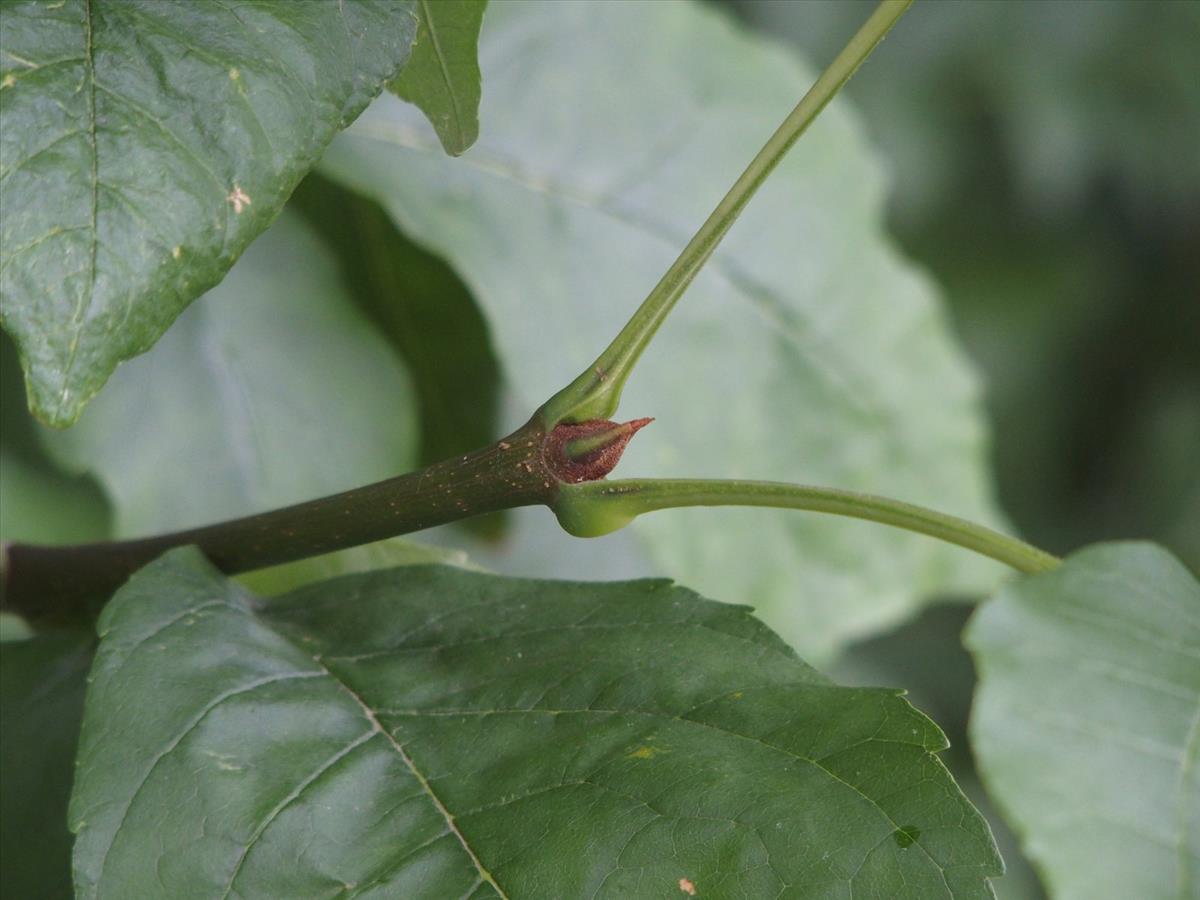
(596, 393)
(598, 507)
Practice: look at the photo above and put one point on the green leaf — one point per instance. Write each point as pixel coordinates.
(1086, 722)
(429, 316)
(273, 389)
(42, 683)
(807, 351)
(1048, 287)
(442, 77)
(422, 307)
(41, 506)
(38, 502)
(380, 555)
(439, 732)
(143, 146)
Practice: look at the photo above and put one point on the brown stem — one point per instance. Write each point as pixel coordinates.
(55, 584)
(49, 585)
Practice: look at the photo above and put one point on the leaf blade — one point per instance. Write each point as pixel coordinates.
(1085, 720)
(144, 147)
(425, 312)
(543, 716)
(442, 78)
(42, 684)
(246, 404)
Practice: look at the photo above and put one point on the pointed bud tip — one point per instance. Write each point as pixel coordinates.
(588, 451)
(636, 425)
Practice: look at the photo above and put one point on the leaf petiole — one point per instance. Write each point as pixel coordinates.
(599, 507)
(596, 393)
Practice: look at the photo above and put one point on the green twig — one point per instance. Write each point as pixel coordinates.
(596, 393)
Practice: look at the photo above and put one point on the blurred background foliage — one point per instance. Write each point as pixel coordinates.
(1045, 170)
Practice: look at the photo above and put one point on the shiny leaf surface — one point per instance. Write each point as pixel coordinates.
(434, 732)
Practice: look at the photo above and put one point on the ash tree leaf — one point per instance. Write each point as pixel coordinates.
(144, 145)
(1086, 722)
(272, 389)
(806, 351)
(42, 683)
(442, 76)
(436, 732)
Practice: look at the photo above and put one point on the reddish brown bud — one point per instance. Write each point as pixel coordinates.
(587, 451)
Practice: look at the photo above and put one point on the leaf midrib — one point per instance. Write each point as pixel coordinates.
(445, 73)
(683, 718)
(321, 671)
(84, 303)
(416, 773)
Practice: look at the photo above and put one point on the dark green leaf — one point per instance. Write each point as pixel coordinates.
(272, 389)
(1087, 721)
(442, 77)
(807, 351)
(38, 502)
(422, 307)
(39, 505)
(434, 732)
(42, 682)
(143, 145)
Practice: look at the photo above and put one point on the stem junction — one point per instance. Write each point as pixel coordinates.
(558, 459)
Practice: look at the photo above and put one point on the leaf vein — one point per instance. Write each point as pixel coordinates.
(295, 794)
(16, 167)
(188, 729)
(84, 302)
(419, 776)
(660, 715)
